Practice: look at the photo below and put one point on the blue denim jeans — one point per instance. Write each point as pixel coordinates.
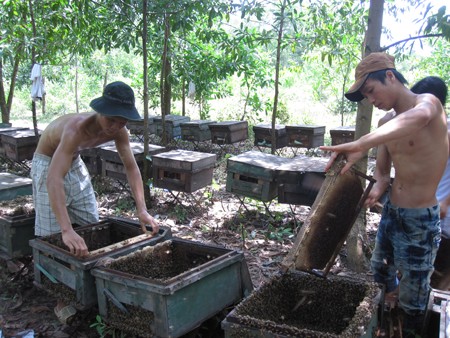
(407, 241)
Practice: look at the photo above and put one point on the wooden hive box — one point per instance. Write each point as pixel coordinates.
(183, 170)
(305, 136)
(343, 134)
(302, 305)
(20, 145)
(16, 229)
(69, 276)
(172, 125)
(112, 165)
(12, 186)
(228, 132)
(196, 130)
(92, 160)
(253, 174)
(171, 288)
(137, 127)
(263, 135)
(300, 180)
(7, 130)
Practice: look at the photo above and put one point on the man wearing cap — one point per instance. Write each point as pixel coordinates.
(415, 142)
(62, 191)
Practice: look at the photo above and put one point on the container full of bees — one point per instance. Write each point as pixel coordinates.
(228, 132)
(112, 165)
(305, 136)
(169, 289)
(68, 276)
(172, 125)
(329, 221)
(16, 227)
(137, 127)
(183, 170)
(196, 130)
(342, 134)
(300, 180)
(7, 130)
(253, 174)
(20, 145)
(263, 135)
(298, 304)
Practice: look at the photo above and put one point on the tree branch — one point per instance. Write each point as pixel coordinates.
(411, 38)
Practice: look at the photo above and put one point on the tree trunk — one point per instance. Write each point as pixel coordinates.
(33, 60)
(277, 76)
(77, 105)
(165, 87)
(145, 97)
(356, 240)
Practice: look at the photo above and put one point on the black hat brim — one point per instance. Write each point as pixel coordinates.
(114, 109)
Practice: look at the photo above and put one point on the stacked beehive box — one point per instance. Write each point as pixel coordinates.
(228, 132)
(305, 136)
(253, 174)
(263, 135)
(183, 170)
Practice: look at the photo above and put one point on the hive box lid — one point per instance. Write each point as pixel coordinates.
(136, 148)
(310, 128)
(343, 128)
(174, 119)
(303, 164)
(258, 159)
(21, 133)
(278, 127)
(185, 160)
(230, 125)
(201, 124)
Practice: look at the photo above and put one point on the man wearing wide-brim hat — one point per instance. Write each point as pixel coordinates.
(63, 194)
(415, 142)
(62, 191)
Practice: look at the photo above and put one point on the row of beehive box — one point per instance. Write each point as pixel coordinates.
(166, 286)
(19, 144)
(252, 174)
(176, 126)
(228, 132)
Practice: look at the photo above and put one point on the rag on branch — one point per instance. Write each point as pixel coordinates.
(37, 86)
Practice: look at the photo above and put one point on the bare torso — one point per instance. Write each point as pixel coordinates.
(419, 161)
(82, 130)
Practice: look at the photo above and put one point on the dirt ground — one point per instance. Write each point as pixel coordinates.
(264, 233)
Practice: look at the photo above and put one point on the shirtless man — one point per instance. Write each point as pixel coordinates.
(415, 142)
(62, 191)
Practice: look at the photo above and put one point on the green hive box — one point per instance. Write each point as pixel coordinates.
(62, 273)
(228, 132)
(253, 174)
(15, 232)
(263, 135)
(302, 305)
(171, 288)
(172, 125)
(196, 130)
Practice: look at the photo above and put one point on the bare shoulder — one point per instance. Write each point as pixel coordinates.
(386, 118)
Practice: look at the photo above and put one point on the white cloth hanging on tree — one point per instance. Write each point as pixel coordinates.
(37, 85)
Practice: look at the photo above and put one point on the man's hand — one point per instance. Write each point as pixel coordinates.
(351, 152)
(75, 243)
(144, 219)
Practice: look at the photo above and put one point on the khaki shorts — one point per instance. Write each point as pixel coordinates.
(80, 197)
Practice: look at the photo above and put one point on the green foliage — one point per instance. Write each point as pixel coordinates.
(104, 330)
(279, 233)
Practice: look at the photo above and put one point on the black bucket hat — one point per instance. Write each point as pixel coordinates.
(117, 100)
